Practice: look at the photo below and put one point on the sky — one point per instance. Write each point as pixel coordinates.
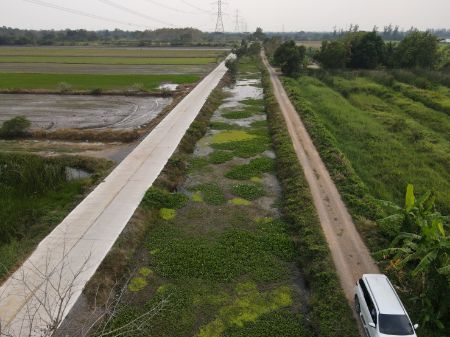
(279, 15)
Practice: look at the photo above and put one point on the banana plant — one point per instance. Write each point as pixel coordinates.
(422, 251)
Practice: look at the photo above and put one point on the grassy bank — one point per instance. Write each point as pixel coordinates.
(330, 314)
(90, 82)
(35, 196)
(375, 139)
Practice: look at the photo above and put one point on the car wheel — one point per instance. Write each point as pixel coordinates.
(357, 305)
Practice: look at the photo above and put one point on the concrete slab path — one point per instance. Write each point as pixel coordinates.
(51, 280)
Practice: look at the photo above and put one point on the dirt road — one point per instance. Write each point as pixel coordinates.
(350, 254)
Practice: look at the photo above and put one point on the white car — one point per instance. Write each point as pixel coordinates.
(380, 309)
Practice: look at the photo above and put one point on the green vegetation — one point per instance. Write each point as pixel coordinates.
(211, 194)
(376, 136)
(156, 198)
(88, 81)
(220, 157)
(35, 195)
(248, 192)
(328, 315)
(110, 52)
(367, 50)
(255, 168)
(137, 284)
(237, 114)
(108, 60)
(422, 249)
(15, 127)
(290, 58)
(225, 269)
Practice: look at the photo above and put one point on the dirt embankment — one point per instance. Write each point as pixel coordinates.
(350, 254)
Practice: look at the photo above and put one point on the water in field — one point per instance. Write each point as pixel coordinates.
(53, 112)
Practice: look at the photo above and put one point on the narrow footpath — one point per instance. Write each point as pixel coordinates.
(51, 280)
(349, 252)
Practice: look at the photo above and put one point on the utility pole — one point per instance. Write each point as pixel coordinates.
(236, 25)
(219, 25)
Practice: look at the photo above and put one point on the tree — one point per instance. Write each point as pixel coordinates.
(15, 127)
(290, 58)
(332, 55)
(367, 50)
(418, 49)
(420, 255)
(259, 35)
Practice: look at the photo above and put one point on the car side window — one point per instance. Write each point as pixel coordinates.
(369, 302)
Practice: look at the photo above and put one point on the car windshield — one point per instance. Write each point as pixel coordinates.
(395, 325)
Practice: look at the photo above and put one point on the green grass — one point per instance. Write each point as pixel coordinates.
(108, 60)
(110, 52)
(34, 198)
(386, 146)
(89, 82)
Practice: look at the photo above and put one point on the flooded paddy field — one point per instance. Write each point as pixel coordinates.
(52, 112)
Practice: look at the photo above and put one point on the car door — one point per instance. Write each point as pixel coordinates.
(368, 311)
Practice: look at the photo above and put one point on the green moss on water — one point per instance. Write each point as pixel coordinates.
(167, 213)
(249, 305)
(220, 157)
(237, 114)
(231, 136)
(212, 194)
(144, 271)
(137, 284)
(240, 202)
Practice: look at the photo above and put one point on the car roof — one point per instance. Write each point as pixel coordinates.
(384, 294)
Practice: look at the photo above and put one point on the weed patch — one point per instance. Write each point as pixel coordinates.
(156, 198)
(220, 157)
(237, 115)
(231, 136)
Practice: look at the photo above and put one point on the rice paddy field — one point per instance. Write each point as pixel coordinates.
(30, 68)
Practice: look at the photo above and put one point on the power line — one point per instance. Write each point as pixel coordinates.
(195, 7)
(85, 14)
(170, 7)
(131, 11)
(219, 25)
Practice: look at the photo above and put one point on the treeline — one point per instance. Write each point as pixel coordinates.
(368, 50)
(183, 36)
(389, 33)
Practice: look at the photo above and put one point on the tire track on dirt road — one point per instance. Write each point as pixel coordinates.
(350, 254)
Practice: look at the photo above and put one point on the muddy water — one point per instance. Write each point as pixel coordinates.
(52, 112)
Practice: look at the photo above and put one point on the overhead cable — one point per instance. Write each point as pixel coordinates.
(85, 14)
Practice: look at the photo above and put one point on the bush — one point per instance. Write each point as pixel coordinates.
(15, 127)
(64, 87)
(156, 198)
(96, 91)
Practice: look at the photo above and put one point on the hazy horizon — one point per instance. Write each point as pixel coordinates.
(283, 15)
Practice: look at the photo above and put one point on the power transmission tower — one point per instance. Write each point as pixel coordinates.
(236, 25)
(219, 25)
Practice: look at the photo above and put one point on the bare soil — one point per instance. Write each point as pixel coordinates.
(349, 252)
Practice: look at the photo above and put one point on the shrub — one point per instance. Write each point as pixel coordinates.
(156, 198)
(248, 192)
(96, 91)
(15, 127)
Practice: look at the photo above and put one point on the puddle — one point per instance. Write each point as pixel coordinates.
(73, 173)
(168, 86)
